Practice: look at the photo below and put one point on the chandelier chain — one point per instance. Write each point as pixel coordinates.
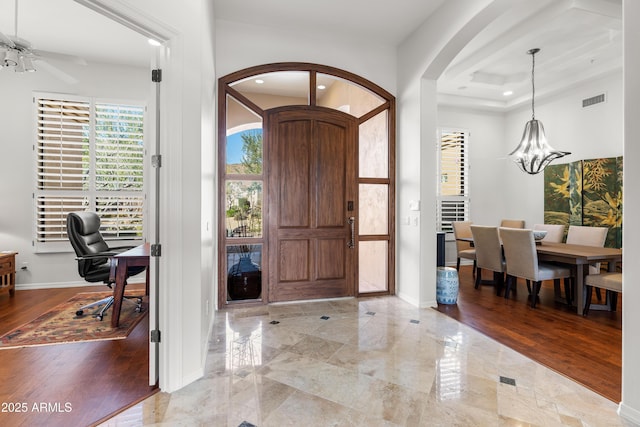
(533, 86)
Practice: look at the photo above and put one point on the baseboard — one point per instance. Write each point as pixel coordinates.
(414, 302)
(629, 414)
(60, 285)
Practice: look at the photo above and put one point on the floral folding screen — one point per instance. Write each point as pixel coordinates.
(586, 192)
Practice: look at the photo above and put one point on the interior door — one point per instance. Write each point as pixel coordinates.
(312, 196)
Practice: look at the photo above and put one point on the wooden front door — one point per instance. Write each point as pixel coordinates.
(311, 153)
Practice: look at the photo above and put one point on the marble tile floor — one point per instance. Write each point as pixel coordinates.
(366, 362)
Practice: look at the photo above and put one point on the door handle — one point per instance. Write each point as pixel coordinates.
(352, 227)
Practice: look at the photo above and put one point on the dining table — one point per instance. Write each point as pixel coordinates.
(579, 257)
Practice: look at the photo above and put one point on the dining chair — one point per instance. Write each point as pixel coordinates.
(489, 256)
(555, 232)
(612, 282)
(522, 261)
(462, 229)
(512, 223)
(589, 236)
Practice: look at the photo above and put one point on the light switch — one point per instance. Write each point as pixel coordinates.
(414, 205)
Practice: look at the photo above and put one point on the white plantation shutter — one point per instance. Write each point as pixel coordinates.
(52, 216)
(89, 156)
(63, 144)
(453, 175)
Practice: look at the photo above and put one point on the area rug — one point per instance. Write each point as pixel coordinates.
(61, 325)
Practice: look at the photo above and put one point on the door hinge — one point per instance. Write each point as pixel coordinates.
(156, 160)
(155, 335)
(156, 249)
(156, 75)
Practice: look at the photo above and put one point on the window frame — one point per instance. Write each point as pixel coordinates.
(463, 199)
(92, 195)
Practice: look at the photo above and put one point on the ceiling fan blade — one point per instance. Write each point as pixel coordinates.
(6, 40)
(57, 72)
(60, 56)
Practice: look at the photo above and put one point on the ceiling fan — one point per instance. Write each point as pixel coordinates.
(18, 55)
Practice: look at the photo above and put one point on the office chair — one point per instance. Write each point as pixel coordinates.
(93, 255)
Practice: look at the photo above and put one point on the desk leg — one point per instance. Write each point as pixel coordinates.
(118, 292)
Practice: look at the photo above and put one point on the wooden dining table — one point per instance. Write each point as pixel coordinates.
(578, 257)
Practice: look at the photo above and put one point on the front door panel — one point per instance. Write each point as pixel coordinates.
(312, 179)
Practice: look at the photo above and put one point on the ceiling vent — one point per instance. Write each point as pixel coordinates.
(593, 100)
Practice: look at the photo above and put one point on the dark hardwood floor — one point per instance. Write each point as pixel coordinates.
(585, 349)
(77, 384)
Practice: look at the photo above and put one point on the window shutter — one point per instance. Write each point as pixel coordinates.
(63, 144)
(52, 216)
(453, 188)
(89, 156)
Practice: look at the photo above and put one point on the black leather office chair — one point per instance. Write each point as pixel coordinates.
(93, 255)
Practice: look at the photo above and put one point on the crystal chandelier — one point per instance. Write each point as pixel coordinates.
(534, 153)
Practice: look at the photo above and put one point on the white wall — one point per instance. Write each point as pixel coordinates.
(187, 182)
(630, 405)
(422, 57)
(240, 46)
(17, 121)
(591, 132)
(487, 160)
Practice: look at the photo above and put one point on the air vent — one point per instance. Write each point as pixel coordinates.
(593, 100)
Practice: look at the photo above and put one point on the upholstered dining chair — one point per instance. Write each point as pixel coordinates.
(489, 256)
(512, 223)
(464, 249)
(612, 282)
(555, 232)
(522, 261)
(588, 236)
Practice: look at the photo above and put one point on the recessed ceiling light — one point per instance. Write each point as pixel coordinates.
(507, 93)
(322, 87)
(154, 42)
(259, 81)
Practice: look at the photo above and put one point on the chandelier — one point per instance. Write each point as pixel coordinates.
(534, 153)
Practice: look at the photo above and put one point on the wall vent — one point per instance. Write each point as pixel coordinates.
(593, 100)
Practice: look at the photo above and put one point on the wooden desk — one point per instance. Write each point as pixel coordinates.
(8, 272)
(579, 257)
(136, 257)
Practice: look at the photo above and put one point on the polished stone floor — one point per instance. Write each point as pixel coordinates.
(366, 362)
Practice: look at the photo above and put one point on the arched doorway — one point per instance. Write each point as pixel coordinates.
(306, 159)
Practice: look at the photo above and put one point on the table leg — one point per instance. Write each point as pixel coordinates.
(580, 288)
(118, 292)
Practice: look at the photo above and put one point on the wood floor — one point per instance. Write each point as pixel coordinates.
(586, 349)
(75, 384)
